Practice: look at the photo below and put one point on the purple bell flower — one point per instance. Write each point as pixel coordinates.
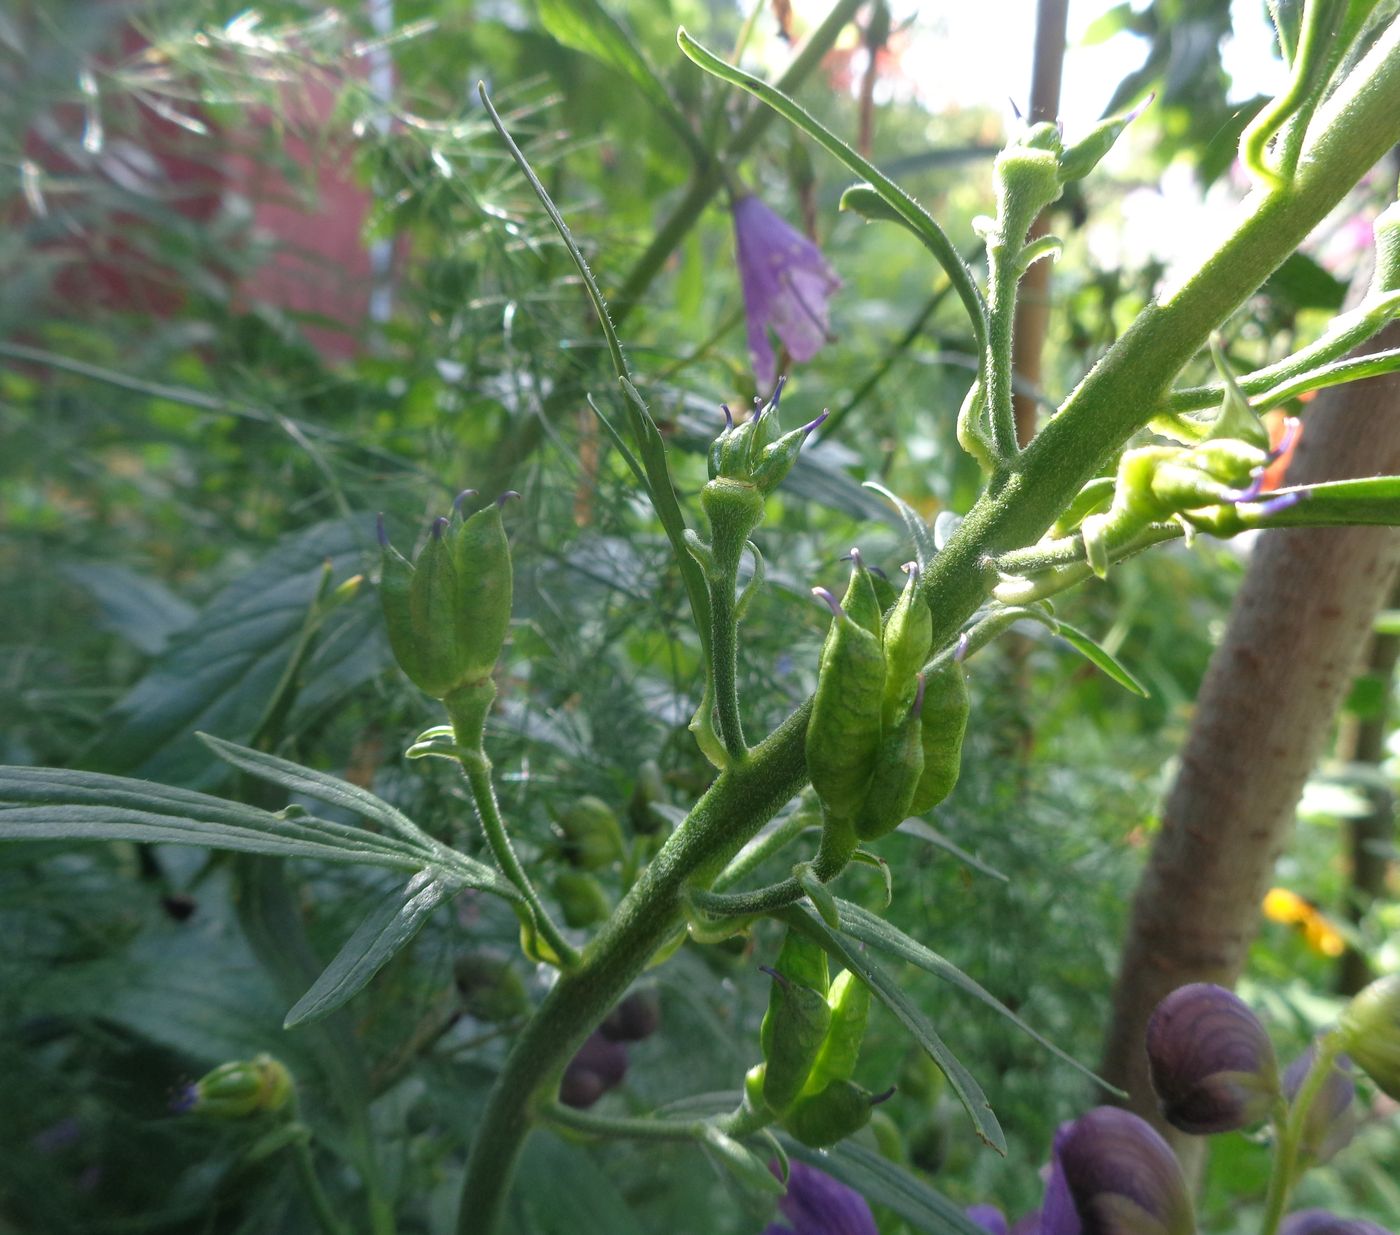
(1321, 1222)
(1331, 1119)
(816, 1204)
(1212, 1064)
(1122, 1177)
(786, 282)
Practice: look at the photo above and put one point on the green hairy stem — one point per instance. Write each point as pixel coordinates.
(1347, 136)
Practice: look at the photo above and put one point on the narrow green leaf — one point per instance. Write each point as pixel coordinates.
(873, 930)
(914, 216)
(325, 788)
(379, 937)
(888, 992)
(883, 1182)
(925, 831)
(1373, 500)
(1093, 653)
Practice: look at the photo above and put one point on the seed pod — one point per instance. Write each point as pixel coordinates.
(590, 833)
(581, 898)
(861, 602)
(849, 1000)
(824, 1118)
(795, 1028)
(908, 638)
(650, 789)
(843, 734)
(481, 558)
(899, 769)
(942, 725)
(1370, 1029)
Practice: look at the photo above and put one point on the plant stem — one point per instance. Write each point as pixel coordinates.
(477, 768)
(1289, 1121)
(315, 1194)
(739, 802)
(644, 1129)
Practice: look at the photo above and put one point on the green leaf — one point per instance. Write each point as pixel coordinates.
(61, 804)
(1096, 655)
(562, 1189)
(219, 672)
(1374, 500)
(329, 789)
(383, 933)
(142, 610)
(888, 991)
(919, 531)
(873, 930)
(1305, 284)
(586, 26)
(883, 1182)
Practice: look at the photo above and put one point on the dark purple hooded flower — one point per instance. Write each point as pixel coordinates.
(1331, 1119)
(598, 1067)
(787, 283)
(988, 1217)
(816, 1204)
(1212, 1064)
(1320, 1222)
(1122, 1177)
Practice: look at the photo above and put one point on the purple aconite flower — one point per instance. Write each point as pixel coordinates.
(1321, 1222)
(1212, 1064)
(988, 1217)
(1331, 1119)
(787, 283)
(816, 1204)
(1122, 1176)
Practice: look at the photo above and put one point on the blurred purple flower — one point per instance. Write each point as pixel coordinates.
(1321, 1222)
(786, 282)
(1331, 1120)
(1212, 1064)
(816, 1204)
(988, 1217)
(1122, 1177)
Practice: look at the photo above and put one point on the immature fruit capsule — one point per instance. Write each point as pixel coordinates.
(838, 1111)
(843, 733)
(899, 768)
(796, 1025)
(1370, 1028)
(590, 834)
(908, 639)
(849, 1000)
(447, 614)
(581, 898)
(941, 728)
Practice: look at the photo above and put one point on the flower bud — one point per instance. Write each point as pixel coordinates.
(598, 1066)
(840, 1110)
(1331, 1119)
(988, 1217)
(1212, 1064)
(638, 1016)
(447, 614)
(581, 898)
(1370, 1027)
(239, 1089)
(1122, 1176)
(1321, 1222)
(817, 1204)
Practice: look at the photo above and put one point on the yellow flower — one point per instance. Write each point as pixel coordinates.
(1290, 909)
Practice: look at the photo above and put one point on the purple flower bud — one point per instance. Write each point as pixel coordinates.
(599, 1066)
(786, 283)
(989, 1218)
(1122, 1177)
(1212, 1064)
(817, 1204)
(1321, 1222)
(1331, 1119)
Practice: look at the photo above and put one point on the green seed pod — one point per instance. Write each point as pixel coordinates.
(1082, 157)
(861, 602)
(899, 769)
(447, 615)
(802, 961)
(796, 1024)
(849, 1000)
(590, 834)
(491, 990)
(239, 1089)
(942, 725)
(838, 1111)
(843, 734)
(649, 790)
(908, 638)
(581, 898)
(1370, 1029)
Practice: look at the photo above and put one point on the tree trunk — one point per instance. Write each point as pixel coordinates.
(1300, 624)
